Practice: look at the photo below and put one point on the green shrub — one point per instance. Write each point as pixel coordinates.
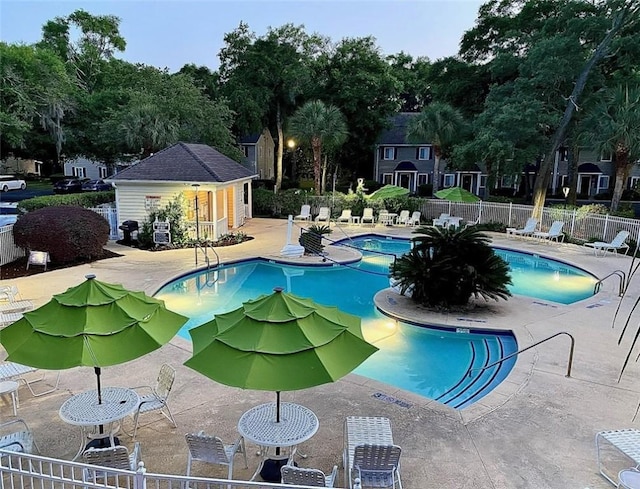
(85, 199)
(311, 238)
(175, 214)
(68, 233)
(263, 202)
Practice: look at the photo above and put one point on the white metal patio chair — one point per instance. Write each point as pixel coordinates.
(441, 221)
(305, 213)
(377, 465)
(307, 477)
(211, 450)
(19, 372)
(616, 244)
(16, 436)
(554, 234)
(155, 398)
(117, 457)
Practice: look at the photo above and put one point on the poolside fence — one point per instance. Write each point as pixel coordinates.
(18, 470)
(578, 225)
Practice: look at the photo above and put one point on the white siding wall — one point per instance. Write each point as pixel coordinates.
(131, 198)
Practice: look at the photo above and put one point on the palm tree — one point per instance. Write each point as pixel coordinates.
(445, 267)
(614, 128)
(439, 123)
(145, 126)
(321, 125)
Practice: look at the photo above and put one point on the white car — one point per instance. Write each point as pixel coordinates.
(9, 182)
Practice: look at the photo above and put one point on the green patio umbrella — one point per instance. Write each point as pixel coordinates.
(388, 192)
(456, 194)
(94, 324)
(279, 342)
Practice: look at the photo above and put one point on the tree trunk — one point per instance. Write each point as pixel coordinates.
(436, 168)
(622, 171)
(572, 172)
(316, 147)
(279, 151)
(542, 182)
(324, 174)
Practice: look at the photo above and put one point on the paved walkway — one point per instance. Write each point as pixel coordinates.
(534, 431)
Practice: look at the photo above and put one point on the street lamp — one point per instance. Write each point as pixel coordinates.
(196, 186)
(565, 192)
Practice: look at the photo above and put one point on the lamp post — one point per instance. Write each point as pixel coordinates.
(565, 192)
(196, 186)
(291, 144)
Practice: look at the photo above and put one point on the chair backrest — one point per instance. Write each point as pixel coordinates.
(323, 213)
(444, 215)
(165, 380)
(531, 224)
(377, 457)
(415, 217)
(305, 210)
(556, 228)
(206, 448)
(113, 457)
(404, 215)
(367, 212)
(302, 477)
(346, 214)
(620, 238)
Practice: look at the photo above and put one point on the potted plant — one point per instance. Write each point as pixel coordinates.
(311, 238)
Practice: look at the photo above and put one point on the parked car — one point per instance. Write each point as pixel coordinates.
(68, 186)
(96, 186)
(10, 182)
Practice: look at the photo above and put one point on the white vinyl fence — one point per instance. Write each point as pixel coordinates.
(578, 225)
(20, 471)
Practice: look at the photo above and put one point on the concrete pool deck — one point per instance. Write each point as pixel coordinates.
(536, 430)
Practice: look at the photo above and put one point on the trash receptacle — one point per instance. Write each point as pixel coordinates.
(128, 228)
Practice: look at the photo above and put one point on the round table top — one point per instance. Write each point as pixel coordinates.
(629, 478)
(83, 409)
(297, 424)
(7, 386)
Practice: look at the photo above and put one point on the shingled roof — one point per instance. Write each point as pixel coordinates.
(397, 132)
(184, 162)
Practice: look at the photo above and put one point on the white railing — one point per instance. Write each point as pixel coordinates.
(23, 471)
(111, 215)
(8, 250)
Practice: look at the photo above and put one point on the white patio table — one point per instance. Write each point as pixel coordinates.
(83, 410)
(258, 425)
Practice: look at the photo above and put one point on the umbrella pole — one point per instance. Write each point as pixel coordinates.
(97, 370)
(277, 416)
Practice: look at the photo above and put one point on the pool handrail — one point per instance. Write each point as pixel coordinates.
(511, 355)
(621, 288)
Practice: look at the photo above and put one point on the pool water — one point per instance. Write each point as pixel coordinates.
(433, 362)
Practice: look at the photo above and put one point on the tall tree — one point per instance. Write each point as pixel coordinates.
(614, 127)
(438, 124)
(264, 78)
(319, 124)
(356, 78)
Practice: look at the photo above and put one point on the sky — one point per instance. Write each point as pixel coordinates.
(172, 33)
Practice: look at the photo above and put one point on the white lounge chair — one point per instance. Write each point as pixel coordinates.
(367, 216)
(441, 221)
(9, 293)
(211, 449)
(403, 218)
(16, 436)
(324, 215)
(155, 398)
(307, 477)
(414, 220)
(554, 234)
(345, 216)
(377, 465)
(528, 229)
(617, 243)
(305, 213)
